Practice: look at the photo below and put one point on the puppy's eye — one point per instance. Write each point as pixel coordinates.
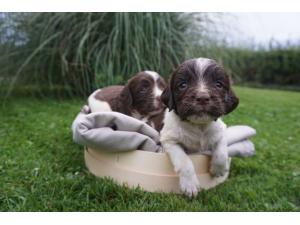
(219, 84)
(182, 84)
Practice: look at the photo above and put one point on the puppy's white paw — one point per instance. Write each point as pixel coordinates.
(247, 152)
(189, 185)
(248, 149)
(219, 169)
(242, 149)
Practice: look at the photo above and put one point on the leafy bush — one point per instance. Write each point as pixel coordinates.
(73, 53)
(83, 50)
(278, 65)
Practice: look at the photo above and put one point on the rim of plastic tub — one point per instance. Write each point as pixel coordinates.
(151, 171)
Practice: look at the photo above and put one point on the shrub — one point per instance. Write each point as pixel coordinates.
(278, 65)
(82, 51)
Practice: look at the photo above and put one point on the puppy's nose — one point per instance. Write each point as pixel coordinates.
(203, 99)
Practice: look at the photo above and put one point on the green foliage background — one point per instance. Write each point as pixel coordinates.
(81, 51)
(67, 54)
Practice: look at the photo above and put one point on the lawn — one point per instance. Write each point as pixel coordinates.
(43, 170)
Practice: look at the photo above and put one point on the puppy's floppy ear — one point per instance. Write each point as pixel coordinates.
(126, 99)
(231, 101)
(167, 98)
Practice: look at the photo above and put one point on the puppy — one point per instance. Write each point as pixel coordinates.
(199, 92)
(139, 98)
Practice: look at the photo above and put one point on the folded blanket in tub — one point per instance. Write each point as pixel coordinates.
(115, 132)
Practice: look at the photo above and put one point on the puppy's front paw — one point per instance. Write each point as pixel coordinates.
(248, 149)
(219, 169)
(189, 185)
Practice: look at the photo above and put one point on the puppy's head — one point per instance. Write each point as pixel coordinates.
(143, 92)
(200, 91)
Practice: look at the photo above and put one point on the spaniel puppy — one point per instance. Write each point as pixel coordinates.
(198, 94)
(139, 98)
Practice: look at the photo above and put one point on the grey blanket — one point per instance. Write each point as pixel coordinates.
(115, 132)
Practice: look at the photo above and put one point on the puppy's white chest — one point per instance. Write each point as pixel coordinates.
(194, 140)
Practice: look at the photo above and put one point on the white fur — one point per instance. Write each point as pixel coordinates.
(153, 74)
(97, 105)
(197, 137)
(202, 88)
(201, 65)
(200, 68)
(138, 116)
(156, 90)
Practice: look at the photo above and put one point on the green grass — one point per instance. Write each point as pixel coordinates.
(43, 170)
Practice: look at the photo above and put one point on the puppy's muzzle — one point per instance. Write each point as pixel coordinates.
(200, 98)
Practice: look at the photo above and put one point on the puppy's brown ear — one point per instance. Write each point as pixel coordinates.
(126, 100)
(167, 98)
(231, 101)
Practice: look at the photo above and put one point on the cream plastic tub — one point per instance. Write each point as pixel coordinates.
(151, 171)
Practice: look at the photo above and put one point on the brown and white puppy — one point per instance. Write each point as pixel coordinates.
(139, 98)
(199, 92)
